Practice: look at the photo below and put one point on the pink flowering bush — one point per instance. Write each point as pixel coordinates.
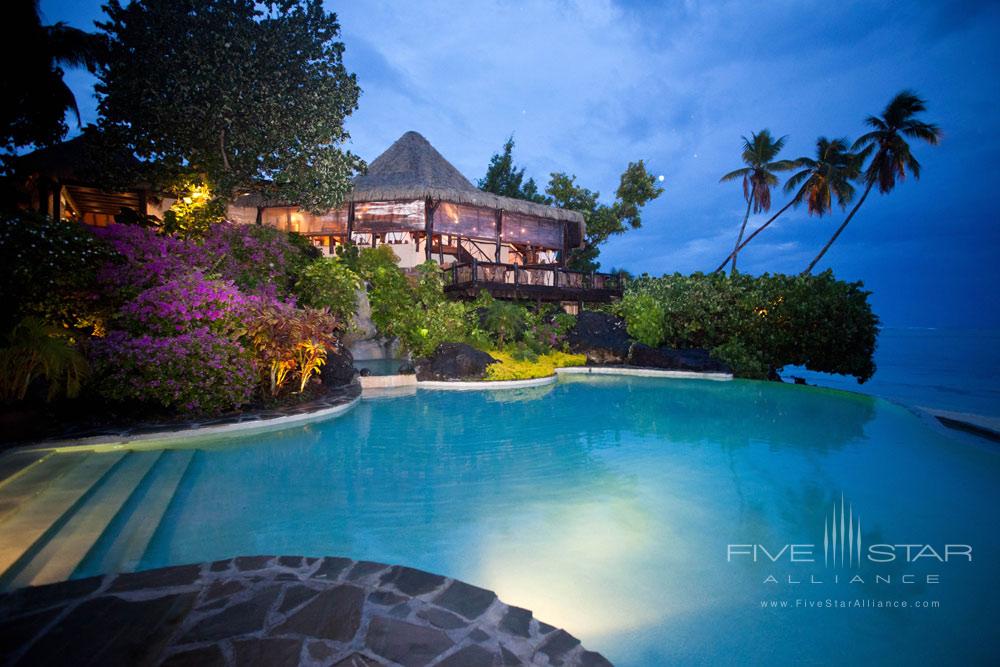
(256, 257)
(198, 371)
(144, 258)
(183, 303)
(204, 324)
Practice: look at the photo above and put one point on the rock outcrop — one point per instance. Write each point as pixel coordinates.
(454, 361)
(600, 336)
(698, 361)
(338, 369)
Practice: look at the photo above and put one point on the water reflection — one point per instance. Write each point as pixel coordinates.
(605, 506)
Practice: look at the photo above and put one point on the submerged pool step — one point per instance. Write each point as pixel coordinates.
(33, 479)
(60, 556)
(14, 464)
(121, 547)
(26, 524)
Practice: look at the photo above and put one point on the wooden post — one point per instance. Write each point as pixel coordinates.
(499, 228)
(57, 201)
(144, 203)
(428, 228)
(350, 224)
(562, 255)
(43, 197)
(259, 220)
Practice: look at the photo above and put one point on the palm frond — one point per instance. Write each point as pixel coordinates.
(733, 175)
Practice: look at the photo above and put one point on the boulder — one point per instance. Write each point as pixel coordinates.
(698, 361)
(600, 336)
(338, 369)
(454, 361)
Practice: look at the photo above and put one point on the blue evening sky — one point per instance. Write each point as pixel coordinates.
(587, 86)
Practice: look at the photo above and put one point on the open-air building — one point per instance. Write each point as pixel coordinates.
(412, 199)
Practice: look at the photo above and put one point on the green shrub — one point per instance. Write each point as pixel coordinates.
(329, 283)
(505, 321)
(49, 270)
(758, 323)
(35, 350)
(645, 317)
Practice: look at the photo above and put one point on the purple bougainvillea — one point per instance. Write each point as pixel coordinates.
(198, 371)
(184, 307)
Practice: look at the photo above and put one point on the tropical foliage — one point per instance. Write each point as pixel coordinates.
(761, 324)
(636, 188)
(330, 283)
(758, 177)
(510, 367)
(892, 157)
(832, 174)
(34, 351)
(244, 93)
(49, 270)
(36, 98)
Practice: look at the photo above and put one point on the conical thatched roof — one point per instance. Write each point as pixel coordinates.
(413, 169)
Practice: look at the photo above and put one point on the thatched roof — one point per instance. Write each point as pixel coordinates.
(413, 169)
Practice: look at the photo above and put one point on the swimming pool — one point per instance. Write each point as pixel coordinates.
(608, 506)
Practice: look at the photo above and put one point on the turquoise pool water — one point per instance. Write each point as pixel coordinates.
(606, 506)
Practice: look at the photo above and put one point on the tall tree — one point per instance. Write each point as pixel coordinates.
(759, 153)
(35, 98)
(252, 95)
(827, 176)
(636, 188)
(505, 179)
(892, 156)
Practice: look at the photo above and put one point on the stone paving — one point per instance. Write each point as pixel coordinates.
(270, 610)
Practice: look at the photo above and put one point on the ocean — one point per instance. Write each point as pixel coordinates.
(947, 369)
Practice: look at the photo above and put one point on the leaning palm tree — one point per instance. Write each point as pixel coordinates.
(831, 172)
(36, 99)
(892, 157)
(758, 176)
(827, 177)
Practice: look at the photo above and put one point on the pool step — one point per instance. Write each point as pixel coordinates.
(60, 556)
(121, 547)
(14, 464)
(38, 513)
(33, 479)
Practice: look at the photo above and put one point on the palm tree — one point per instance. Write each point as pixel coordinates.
(892, 157)
(827, 177)
(36, 98)
(830, 173)
(758, 176)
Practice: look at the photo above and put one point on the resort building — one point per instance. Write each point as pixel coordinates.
(411, 198)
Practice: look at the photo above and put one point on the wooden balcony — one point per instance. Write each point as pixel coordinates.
(539, 282)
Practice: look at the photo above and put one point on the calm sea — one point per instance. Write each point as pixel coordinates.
(948, 369)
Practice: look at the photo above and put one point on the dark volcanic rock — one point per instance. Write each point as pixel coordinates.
(454, 361)
(601, 337)
(698, 361)
(338, 369)
(406, 368)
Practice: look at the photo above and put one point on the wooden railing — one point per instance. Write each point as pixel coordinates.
(464, 274)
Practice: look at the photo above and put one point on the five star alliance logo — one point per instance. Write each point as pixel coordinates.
(842, 534)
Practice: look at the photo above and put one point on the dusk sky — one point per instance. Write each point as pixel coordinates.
(587, 86)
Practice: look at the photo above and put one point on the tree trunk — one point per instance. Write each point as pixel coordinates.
(739, 239)
(839, 230)
(755, 233)
(222, 149)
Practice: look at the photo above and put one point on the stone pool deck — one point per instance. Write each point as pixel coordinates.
(270, 610)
